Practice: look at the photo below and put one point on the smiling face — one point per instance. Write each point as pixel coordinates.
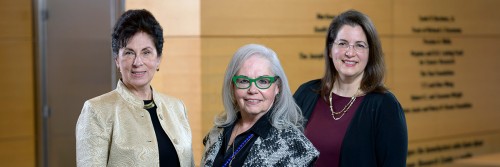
(254, 102)
(350, 63)
(138, 62)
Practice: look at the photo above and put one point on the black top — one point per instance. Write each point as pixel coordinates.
(377, 134)
(260, 128)
(168, 155)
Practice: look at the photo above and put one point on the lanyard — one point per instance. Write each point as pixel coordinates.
(237, 150)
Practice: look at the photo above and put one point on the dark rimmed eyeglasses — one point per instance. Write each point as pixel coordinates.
(262, 82)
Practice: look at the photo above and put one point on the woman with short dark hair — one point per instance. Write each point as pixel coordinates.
(134, 125)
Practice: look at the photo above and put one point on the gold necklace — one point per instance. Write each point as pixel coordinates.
(230, 160)
(232, 145)
(149, 105)
(346, 107)
(236, 128)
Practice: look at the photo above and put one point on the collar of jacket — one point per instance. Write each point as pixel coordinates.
(133, 99)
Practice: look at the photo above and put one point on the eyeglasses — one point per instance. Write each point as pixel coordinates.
(262, 82)
(359, 47)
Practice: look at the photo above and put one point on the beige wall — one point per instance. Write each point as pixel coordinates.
(17, 97)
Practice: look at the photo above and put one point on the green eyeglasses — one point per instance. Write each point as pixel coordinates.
(262, 82)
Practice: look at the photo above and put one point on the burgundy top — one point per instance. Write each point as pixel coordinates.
(327, 134)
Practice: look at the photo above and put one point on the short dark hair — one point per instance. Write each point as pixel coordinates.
(375, 68)
(132, 22)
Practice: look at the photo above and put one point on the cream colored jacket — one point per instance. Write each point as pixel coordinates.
(114, 130)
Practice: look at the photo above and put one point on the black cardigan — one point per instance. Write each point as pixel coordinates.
(377, 134)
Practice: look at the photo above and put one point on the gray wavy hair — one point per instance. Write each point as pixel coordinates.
(285, 112)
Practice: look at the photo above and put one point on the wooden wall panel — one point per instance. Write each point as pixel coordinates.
(472, 17)
(16, 19)
(283, 17)
(17, 97)
(444, 77)
(449, 152)
(387, 47)
(18, 152)
(17, 89)
(474, 79)
(178, 18)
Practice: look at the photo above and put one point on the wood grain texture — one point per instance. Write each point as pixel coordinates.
(178, 18)
(16, 19)
(18, 152)
(17, 116)
(284, 17)
(473, 17)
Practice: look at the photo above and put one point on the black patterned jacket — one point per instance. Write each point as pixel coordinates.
(286, 147)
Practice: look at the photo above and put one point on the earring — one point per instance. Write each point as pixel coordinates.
(158, 69)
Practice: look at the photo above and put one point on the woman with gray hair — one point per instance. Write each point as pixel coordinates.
(261, 125)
